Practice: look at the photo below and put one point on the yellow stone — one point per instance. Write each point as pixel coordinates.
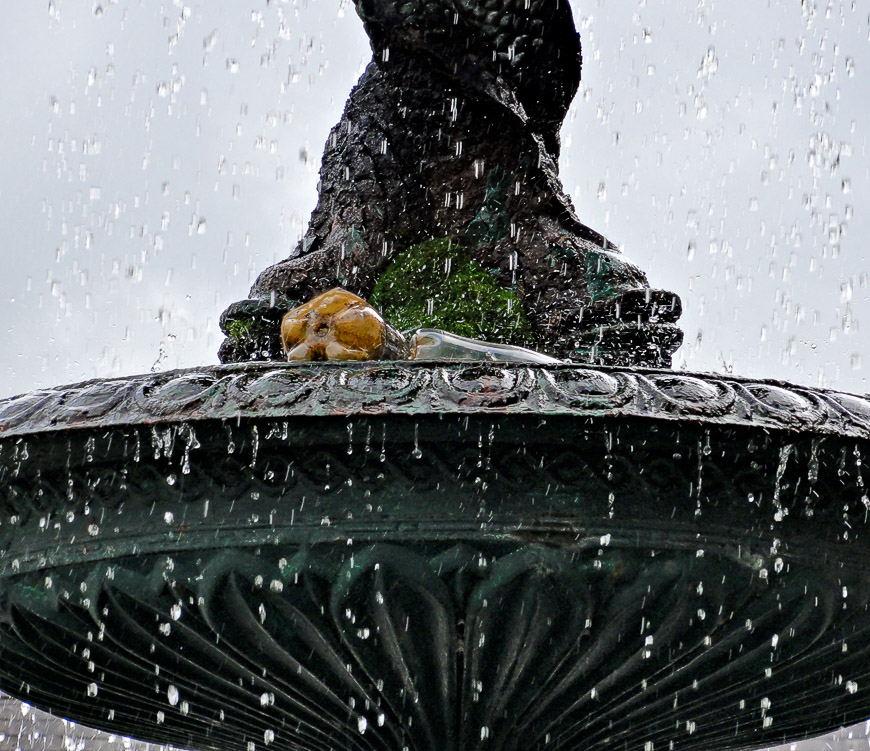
(336, 325)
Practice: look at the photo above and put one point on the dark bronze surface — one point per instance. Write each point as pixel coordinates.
(452, 132)
(439, 555)
(253, 390)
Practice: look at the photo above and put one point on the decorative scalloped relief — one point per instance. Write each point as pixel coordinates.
(93, 401)
(180, 394)
(591, 388)
(17, 409)
(265, 389)
(694, 396)
(789, 406)
(482, 386)
(856, 408)
(276, 388)
(383, 384)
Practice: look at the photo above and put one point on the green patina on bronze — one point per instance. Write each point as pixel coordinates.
(607, 276)
(492, 222)
(435, 284)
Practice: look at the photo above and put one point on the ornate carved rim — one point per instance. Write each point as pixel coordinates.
(268, 390)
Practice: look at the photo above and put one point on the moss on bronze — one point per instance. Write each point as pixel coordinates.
(240, 330)
(435, 284)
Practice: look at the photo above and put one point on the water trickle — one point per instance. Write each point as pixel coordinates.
(785, 453)
(813, 466)
(416, 453)
(163, 441)
(190, 442)
(255, 444)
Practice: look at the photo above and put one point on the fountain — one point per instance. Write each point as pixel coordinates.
(489, 550)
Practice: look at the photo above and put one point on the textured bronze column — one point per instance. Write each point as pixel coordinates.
(453, 132)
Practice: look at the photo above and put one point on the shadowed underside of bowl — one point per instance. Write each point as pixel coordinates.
(437, 556)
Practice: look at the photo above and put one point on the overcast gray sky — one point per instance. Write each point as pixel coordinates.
(155, 156)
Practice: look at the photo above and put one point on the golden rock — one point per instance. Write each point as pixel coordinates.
(338, 325)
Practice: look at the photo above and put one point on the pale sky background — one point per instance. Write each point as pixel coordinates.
(155, 156)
